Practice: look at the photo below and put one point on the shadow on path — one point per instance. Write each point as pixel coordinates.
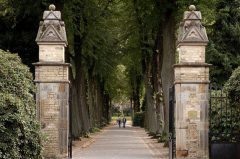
(122, 143)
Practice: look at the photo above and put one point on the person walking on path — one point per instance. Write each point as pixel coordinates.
(119, 122)
(124, 121)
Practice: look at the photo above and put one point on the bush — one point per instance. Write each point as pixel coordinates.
(232, 87)
(138, 119)
(19, 130)
(94, 130)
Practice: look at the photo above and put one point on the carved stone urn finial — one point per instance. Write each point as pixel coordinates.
(52, 7)
(192, 7)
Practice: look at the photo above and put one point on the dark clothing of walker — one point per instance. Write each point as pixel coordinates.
(124, 122)
(119, 122)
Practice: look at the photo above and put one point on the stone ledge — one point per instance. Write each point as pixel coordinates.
(52, 43)
(192, 64)
(192, 43)
(52, 81)
(192, 82)
(51, 64)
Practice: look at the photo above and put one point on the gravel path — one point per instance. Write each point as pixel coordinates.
(122, 143)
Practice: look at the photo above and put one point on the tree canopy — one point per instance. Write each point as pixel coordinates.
(223, 51)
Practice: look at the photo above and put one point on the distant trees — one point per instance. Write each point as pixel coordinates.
(148, 39)
(93, 57)
(19, 131)
(19, 22)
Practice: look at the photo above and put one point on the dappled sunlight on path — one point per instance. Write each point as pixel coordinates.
(122, 143)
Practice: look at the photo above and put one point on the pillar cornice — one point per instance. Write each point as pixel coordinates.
(192, 64)
(51, 64)
(52, 81)
(191, 82)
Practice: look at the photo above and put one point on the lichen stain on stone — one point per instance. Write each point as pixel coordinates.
(61, 87)
(182, 153)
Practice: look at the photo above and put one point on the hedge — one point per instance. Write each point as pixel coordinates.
(19, 130)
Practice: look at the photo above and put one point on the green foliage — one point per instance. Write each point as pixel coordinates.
(163, 137)
(225, 123)
(86, 134)
(19, 22)
(127, 111)
(119, 90)
(223, 51)
(205, 6)
(90, 35)
(232, 86)
(220, 127)
(116, 111)
(19, 130)
(104, 122)
(94, 130)
(138, 119)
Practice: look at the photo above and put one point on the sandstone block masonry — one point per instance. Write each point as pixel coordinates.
(191, 89)
(51, 77)
(51, 72)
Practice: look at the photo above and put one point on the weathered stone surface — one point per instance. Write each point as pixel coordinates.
(192, 54)
(181, 139)
(51, 73)
(191, 74)
(192, 114)
(53, 116)
(181, 153)
(53, 52)
(191, 29)
(52, 29)
(191, 89)
(51, 77)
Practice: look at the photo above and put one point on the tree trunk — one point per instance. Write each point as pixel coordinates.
(81, 93)
(166, 47)
(167, 72)
(106, 107)
(131, 107)
(157, 85)
(99, 104)
(136, 95)
(150, 104)
(91, 102)
(76, 112)
(80, 84)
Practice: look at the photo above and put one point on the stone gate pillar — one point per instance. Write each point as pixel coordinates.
(191, 87)
(51, 78)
